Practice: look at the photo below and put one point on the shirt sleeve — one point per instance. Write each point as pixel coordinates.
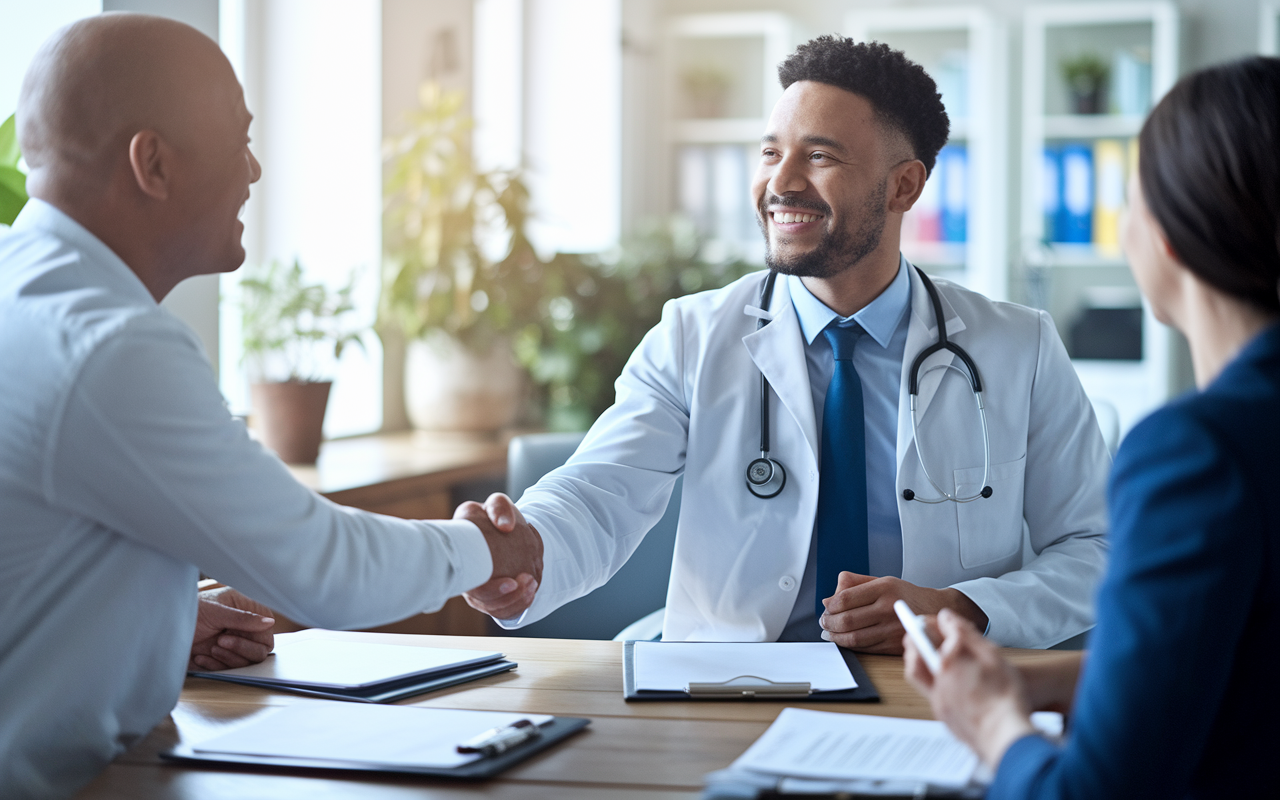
(146, 447)
(1064, 506)
(1187, 561)
(593, 512)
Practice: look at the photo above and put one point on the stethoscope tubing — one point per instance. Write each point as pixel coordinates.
(776, 484)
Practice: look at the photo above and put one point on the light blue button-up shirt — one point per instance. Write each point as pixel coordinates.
(878, 360)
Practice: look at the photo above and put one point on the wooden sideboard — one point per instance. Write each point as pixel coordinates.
(413, 475)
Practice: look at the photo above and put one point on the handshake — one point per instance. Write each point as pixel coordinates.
(516, 548)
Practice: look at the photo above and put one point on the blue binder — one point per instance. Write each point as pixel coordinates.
(1075, 215)
(1051, 199)
(954, 167)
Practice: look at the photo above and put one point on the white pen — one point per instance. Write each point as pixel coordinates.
(499, 740)
(915, 629)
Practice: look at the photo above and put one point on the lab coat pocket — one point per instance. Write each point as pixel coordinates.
(990, 527)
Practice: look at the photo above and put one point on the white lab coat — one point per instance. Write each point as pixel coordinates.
(688, 402)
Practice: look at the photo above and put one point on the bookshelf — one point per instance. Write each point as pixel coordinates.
(1269, 29)
(721, 86)
(1078, 149)
(966, 51)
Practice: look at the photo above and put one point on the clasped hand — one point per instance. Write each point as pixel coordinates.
(860, 614)
(231, 631)
(516, 548)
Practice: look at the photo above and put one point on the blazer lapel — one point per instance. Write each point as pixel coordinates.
(922, 332)
(778, 350)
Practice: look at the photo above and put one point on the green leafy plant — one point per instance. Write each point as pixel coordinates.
(13, 182)
(596, 309)
(290, 326)
(1085, 73)
(439, 208)
(706, 86)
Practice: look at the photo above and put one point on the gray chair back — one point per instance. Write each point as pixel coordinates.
(637, 589)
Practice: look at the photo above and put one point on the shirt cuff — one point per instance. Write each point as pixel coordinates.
(469, 553)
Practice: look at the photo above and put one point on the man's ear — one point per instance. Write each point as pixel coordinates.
(151, 160)
(906, 182)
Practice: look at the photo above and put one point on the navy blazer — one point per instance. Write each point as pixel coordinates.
(1180, 695)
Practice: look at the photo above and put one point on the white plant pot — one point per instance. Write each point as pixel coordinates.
(447, 387)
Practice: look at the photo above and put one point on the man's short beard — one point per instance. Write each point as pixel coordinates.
(838, 250)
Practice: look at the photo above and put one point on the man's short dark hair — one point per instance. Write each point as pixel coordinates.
(901, 92)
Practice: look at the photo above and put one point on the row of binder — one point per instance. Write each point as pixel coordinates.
(941, 214)
(1084, 191)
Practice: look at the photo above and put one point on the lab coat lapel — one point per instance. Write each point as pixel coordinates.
(922, 331)
(778, 351)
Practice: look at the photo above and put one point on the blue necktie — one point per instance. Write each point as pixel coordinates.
(841, 525)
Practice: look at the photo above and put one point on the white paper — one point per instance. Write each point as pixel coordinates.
(672, 666)
(330, 663)
(359, 733)
(826, 745)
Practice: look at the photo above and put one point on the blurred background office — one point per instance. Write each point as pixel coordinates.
(497, 195)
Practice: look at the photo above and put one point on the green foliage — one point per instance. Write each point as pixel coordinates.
(13, 182)
(594, 311)
(290, 325)
(1085, 73)
(436, 275)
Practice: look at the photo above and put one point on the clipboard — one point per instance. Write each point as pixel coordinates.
(749, 687)
(552, 733)
(382, 692)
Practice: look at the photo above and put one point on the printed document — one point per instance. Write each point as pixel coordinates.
(826, 745)
(672, 666)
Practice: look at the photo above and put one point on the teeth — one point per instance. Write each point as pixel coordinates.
(788, 217)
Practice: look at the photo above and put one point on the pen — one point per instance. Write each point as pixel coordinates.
(915, 629)
(499, 740)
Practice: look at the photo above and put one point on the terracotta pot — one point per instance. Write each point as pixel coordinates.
(448, 387)
(290, 418)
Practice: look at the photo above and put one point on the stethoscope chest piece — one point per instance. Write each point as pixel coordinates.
(765, 478)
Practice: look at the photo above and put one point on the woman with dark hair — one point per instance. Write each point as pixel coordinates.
(1178, 696)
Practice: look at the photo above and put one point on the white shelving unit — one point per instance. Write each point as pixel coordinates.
(971, 37)
(715, 149)
(1072, 271)
(1269, 29)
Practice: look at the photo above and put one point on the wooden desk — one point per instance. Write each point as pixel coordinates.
(631, 751)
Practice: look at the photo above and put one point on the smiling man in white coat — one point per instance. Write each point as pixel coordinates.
(857, 523)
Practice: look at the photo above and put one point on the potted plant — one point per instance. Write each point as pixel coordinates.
(1086, 77)
(707, 89)
(454, 300)
(13, 182)
(595, 310)
(294, 333)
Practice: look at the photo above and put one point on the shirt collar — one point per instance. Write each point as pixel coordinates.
(37, 215)
(879, 318)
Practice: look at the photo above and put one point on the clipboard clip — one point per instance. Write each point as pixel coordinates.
(749, 687)
(496, 741)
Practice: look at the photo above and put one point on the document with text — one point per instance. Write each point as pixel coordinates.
(826, 745)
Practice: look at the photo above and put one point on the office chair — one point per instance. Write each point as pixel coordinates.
(631, 603)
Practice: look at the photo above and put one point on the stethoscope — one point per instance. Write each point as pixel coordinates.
(766, 476)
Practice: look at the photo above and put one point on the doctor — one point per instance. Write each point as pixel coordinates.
(833, 330)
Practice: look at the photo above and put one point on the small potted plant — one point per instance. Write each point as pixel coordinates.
(707, 89)
(1086, 76)
(454, 300)
(13, 182)
(294, 333)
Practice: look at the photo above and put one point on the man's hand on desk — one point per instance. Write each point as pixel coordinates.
(231, 631)
(860, 614)
(517, 557)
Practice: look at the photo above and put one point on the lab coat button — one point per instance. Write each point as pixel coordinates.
(786, 583)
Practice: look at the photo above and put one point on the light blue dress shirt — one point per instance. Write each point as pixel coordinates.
(878, 360)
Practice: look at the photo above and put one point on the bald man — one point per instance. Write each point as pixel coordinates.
(122, 475)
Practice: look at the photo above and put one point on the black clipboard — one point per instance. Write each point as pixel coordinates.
(384, 692)
(557, 730)
(865, 692)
